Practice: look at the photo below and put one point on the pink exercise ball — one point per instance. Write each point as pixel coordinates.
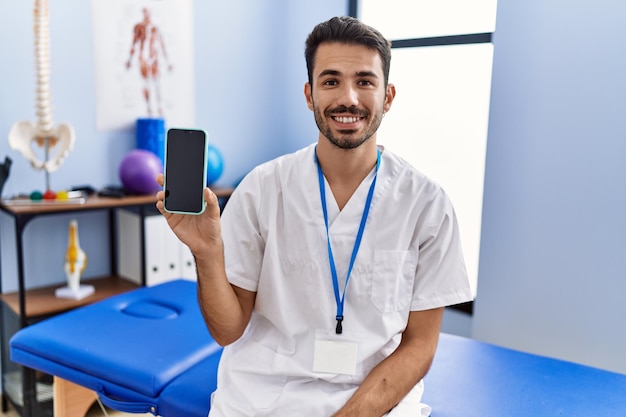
(138, 171)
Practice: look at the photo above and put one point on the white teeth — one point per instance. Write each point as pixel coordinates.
(346, 119)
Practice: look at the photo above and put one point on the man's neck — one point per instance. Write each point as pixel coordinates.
(345, 169)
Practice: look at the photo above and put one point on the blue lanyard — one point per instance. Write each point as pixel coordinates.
(333, 271)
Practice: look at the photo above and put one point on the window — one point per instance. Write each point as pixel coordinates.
(441, 66)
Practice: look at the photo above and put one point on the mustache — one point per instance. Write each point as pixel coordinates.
(352, 110)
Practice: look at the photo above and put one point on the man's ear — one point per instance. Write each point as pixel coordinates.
(390, 94)
(308, 95)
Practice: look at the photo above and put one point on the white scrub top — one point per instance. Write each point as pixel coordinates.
(275, 244)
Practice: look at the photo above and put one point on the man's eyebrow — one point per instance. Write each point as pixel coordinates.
(358, 73)
(328, 72)
(366, 74)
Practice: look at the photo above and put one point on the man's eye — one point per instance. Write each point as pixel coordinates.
(365, 82)
(330, 82)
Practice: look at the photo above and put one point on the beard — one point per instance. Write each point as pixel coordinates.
(347, 138)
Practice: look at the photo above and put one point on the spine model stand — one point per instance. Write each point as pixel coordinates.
(44, 133)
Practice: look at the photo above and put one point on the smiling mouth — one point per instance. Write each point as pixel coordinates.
(346, 119)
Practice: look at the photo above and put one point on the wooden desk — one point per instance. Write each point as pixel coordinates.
(23, 213)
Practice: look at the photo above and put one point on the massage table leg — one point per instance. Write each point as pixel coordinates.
(71, 400)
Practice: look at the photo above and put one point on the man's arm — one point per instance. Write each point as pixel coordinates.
(395, 376)
(226, 309)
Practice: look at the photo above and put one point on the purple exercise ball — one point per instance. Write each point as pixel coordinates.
(138, 171)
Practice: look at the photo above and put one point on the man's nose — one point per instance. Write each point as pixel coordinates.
(349, 96)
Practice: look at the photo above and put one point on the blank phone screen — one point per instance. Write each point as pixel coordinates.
(185, 170)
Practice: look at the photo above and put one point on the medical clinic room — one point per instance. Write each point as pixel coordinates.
(329, 208)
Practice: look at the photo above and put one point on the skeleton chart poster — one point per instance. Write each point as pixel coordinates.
(143, 56)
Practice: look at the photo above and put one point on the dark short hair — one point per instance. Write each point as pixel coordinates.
(351, 31)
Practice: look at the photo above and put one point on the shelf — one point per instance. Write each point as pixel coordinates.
(92, 203)
(43, 302)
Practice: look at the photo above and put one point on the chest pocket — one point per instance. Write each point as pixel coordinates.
(392, 280)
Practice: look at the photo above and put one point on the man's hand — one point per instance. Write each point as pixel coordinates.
(394, 377)
(201, 233)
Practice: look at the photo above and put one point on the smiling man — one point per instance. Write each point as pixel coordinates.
(327, 274)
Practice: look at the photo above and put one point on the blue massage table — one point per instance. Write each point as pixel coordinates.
(469, 378)
(144, 351)
(148, 351)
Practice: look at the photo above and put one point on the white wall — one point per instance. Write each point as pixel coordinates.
(552, 276)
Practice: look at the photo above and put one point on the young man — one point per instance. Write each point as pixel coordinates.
(327, 274)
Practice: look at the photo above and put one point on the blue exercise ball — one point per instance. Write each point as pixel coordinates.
(215, 165)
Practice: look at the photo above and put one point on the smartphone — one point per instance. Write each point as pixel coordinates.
(185, 170)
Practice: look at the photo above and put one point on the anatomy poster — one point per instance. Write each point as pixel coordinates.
(143, 52)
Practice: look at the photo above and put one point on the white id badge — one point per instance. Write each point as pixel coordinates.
(336, 354)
